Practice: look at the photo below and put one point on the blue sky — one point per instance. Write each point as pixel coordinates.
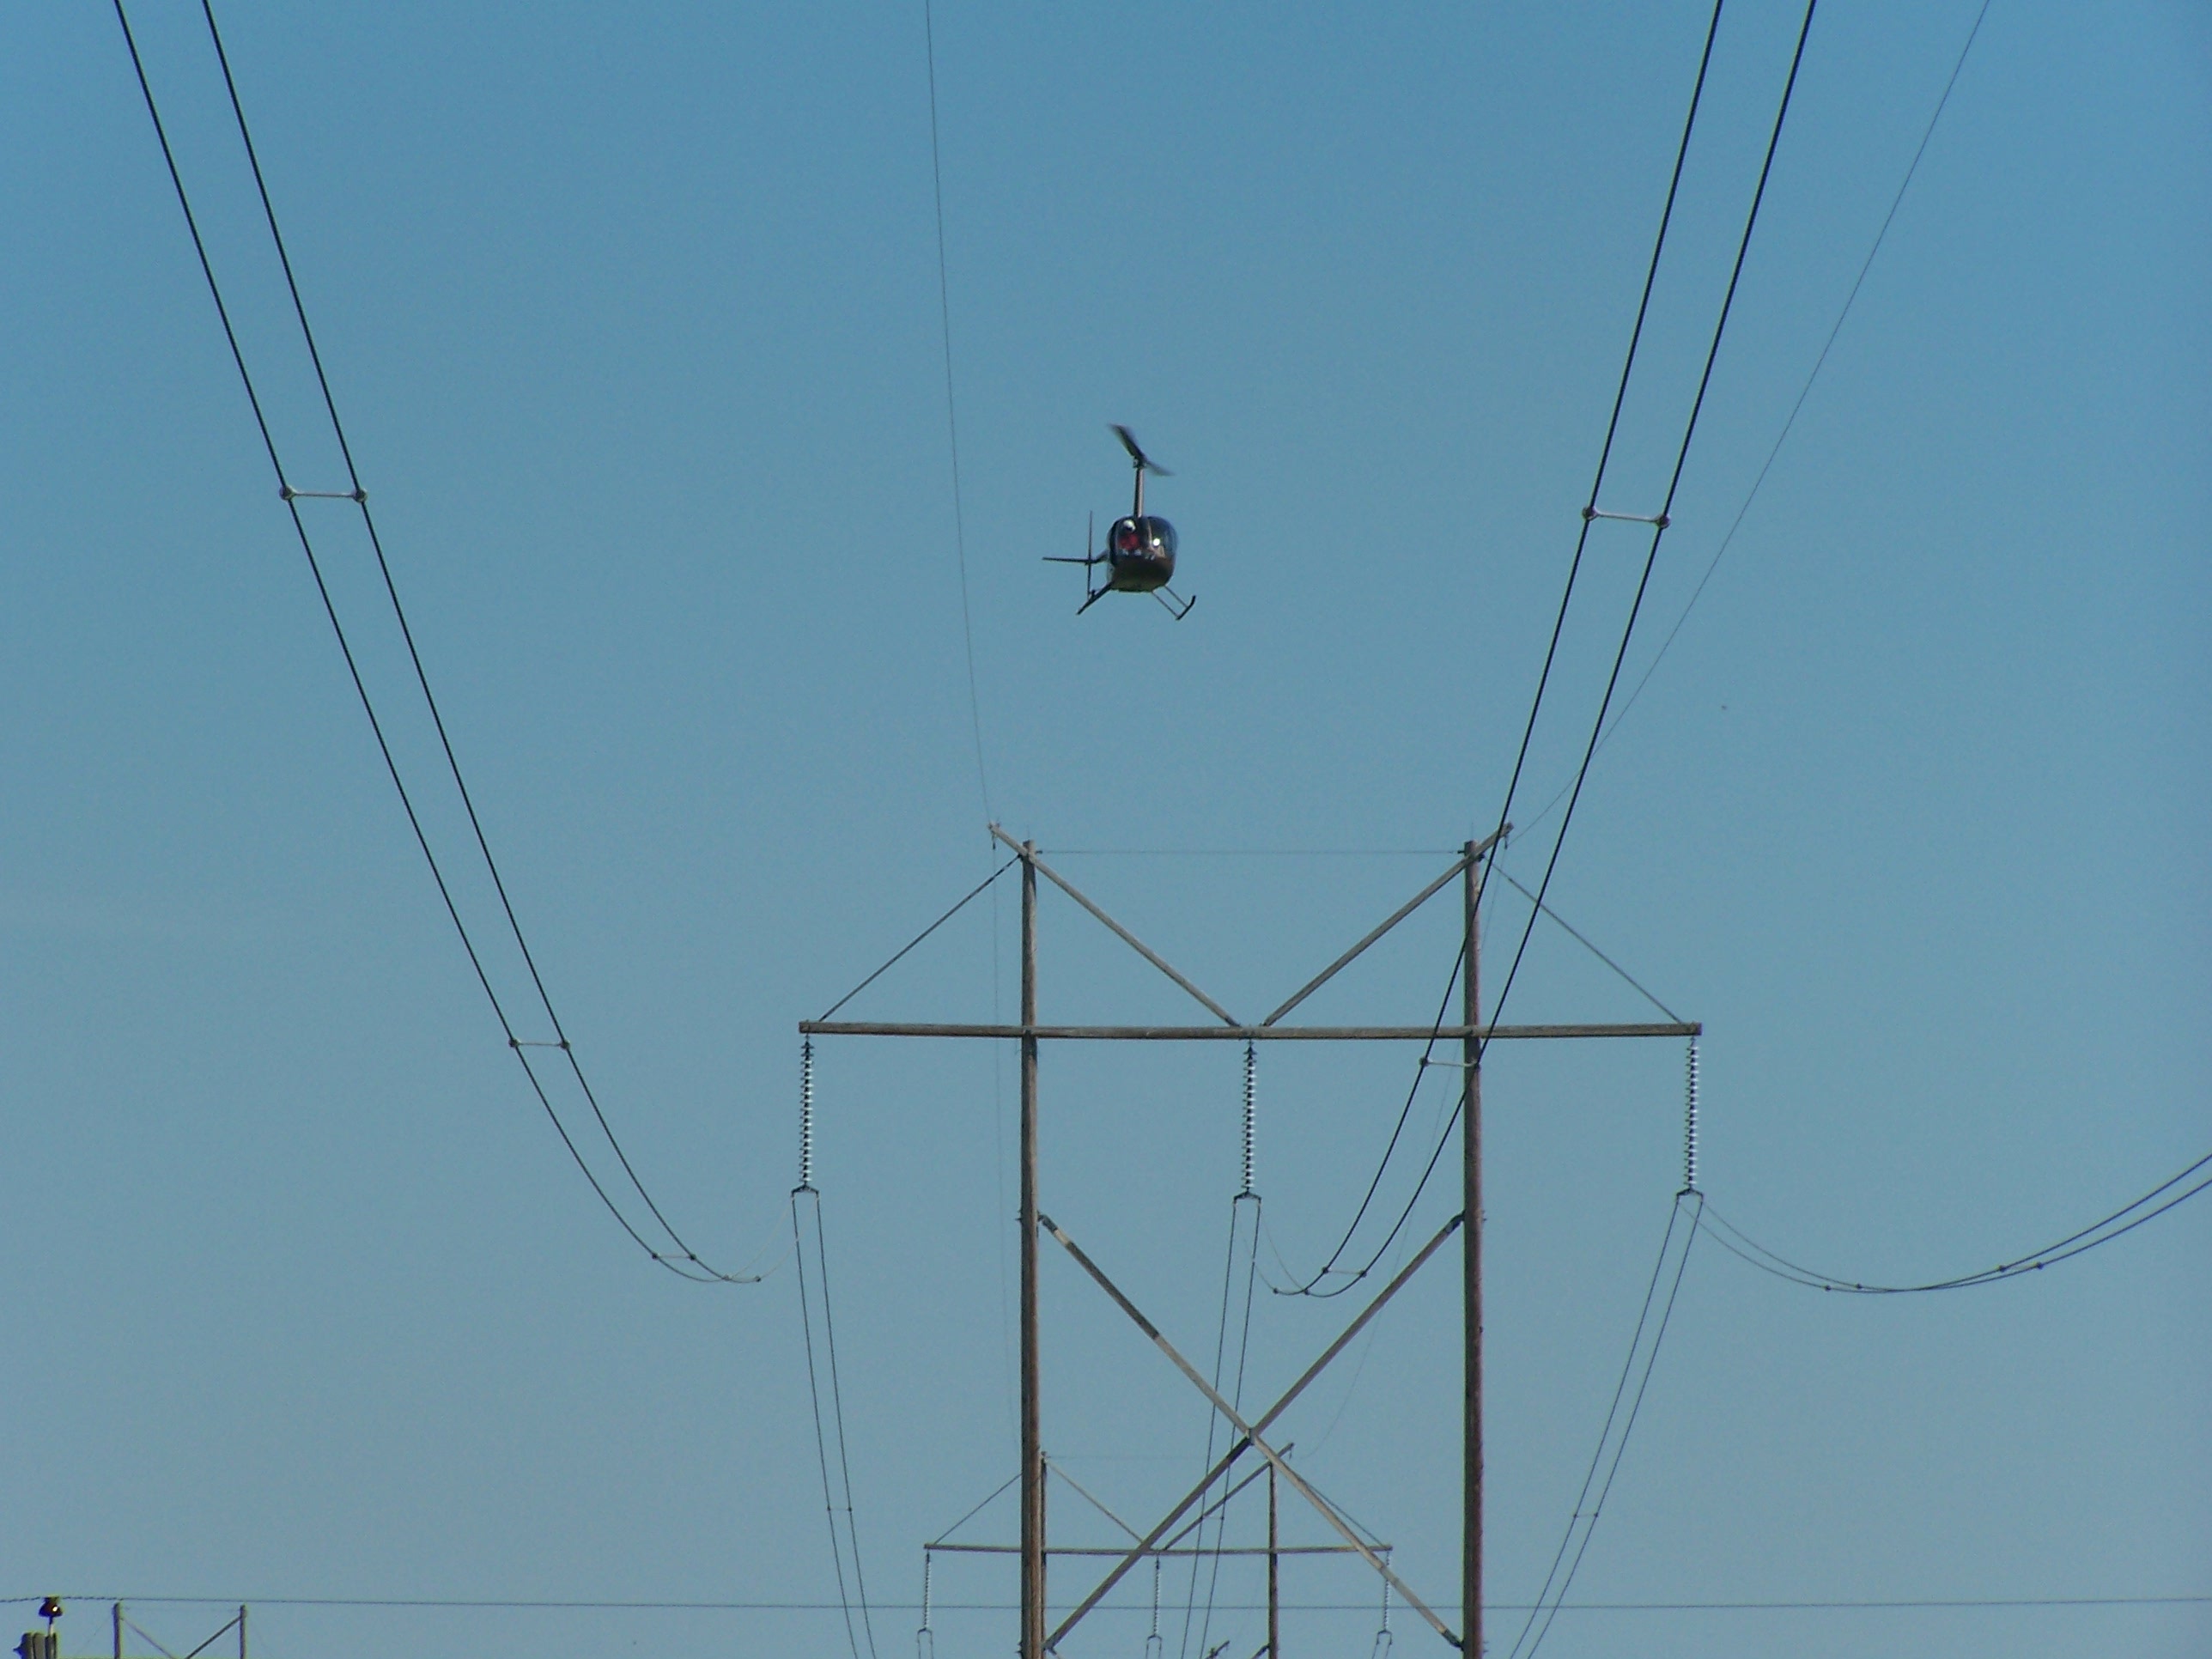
(634, 319)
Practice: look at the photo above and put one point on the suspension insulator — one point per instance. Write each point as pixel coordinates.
(1690, 1123)
(1250, 1061)
(806, 1114)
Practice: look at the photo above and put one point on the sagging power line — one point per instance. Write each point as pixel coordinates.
(1591, 513)
(676, 1254)
(2122, 1221)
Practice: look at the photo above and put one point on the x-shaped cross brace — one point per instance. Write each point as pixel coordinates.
(1250, 1432)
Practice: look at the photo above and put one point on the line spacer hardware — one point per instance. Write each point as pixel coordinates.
(358, 497)
(1657, 521)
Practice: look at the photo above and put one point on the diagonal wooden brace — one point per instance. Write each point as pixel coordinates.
(1251, 1434)
(1396, 917)
(1236, 1451)
(1123, 933)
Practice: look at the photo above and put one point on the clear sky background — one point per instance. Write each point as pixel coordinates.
(633, 314)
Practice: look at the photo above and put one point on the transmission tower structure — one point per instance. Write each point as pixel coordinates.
(1250, 1434)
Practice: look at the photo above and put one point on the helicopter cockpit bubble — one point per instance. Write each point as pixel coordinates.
(1140, 554)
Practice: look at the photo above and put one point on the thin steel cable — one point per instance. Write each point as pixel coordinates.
(1613, 421)
(951, 411)
(1577, 934)
(1666, 507)
(1212, 1418)
(361, 689)
(821, 1438)
(1628, 1427)
(1344, 1403)
(1605, 1435)
(1421, 1071)
(1628, 630)
(837, 1408)
(359, 497)
(1804, 392)
(496, 1605)
(1236, 1398)
(1551, 652)
(974, 1512)
(2074, 1244)
(899, 953)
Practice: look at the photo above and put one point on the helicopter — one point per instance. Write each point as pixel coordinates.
(1140, 551)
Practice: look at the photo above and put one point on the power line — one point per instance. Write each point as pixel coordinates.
(951, 412)
(2103, 1231)
(1661, 520)
(682, 1261)
(1658, 531)
(848, 1542)
(1804, 392)
(1235, 1398)
(1612, 421)
(1584, 1523)
(1920, 1604)
(1397, 1130)
(1590, 515)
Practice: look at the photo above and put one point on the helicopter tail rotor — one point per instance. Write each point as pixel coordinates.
(1090, 531)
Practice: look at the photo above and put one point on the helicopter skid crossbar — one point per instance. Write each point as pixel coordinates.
(1174, 602)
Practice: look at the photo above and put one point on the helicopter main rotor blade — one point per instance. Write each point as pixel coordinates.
(1137, 454)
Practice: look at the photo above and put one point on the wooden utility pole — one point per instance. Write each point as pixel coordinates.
(1033, 1558)
(1274, 1575)
(1472, 1037)
(1471, 1236)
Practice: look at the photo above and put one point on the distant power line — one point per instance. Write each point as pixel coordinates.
(493, 1605)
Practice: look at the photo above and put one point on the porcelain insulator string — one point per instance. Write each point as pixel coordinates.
(1690, 1122)
(1249, 1063)
(806, 1115)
